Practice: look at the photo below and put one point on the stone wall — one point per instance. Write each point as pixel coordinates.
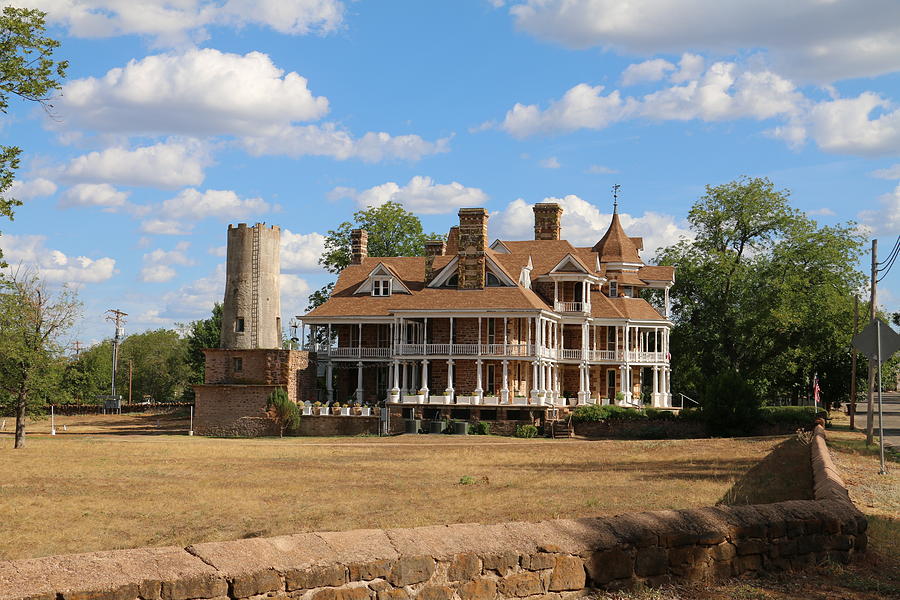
(338, 425)
(546, 560)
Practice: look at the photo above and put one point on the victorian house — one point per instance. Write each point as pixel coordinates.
(539, 322)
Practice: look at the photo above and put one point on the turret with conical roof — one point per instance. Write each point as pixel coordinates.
(615, 246)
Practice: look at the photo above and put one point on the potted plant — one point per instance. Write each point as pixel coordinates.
(520, 400)
(357, 408)
(307, 409)
(491, 399)
(336, 408)
(318, 408)
(365, 411)
(620, 397)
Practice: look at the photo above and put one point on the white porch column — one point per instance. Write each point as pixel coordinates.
(395, 381)
(668, 309)
(329, 381)
(535, 389)
(555, 293)
(626, 380)
(504, 391)
(623, 381)
(545, 380)
(451, 335)
(359, 382)
(556, 382)
(479, 336)
(425, 336)
(478, 391)
(505, 341)
(449, 391)
(405, 386)
(656, 375)
(424, 386)
(359, 344)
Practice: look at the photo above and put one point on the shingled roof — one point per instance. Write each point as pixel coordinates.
(615, 246)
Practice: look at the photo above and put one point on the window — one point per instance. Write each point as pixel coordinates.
(628, 291)
(491, 379)
(492, 280)
(611, 384)
(239, 325)
(491, 330)
(453, 281)
(610, 338)
(237, 363)
(381, 287)
(613, 289)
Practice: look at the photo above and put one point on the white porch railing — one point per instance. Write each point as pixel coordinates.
(651, 357)
(601, 355)
(570, 354)
(360, 352)
(465, 349)
(573, 307)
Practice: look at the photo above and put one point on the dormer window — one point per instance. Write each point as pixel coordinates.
(492, 280)
(613, 289)
(381, 286)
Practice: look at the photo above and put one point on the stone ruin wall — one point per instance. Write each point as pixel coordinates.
(549, 560)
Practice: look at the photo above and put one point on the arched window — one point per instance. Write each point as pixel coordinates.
(492, 280)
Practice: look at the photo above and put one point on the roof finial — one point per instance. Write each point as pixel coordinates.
(615, 190)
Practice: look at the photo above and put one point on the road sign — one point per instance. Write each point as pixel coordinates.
(866, 341)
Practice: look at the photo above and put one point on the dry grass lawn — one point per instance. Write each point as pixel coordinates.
(80, 491)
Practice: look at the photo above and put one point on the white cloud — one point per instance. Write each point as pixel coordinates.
(157, 274)
(294, 292)
(54, 265)
(886, 219)
(550, 163)
(601, 170)
(196, 298)
(200, 92)
(193, 205)
(845, 125)
(166, 227)
(101, 195)
(811, 39)
(300, 252)
(177, 22)
(168, 164)
(33, 188)
(582, 107)
(892, 172)
(824, 212)
(583, 224)
(421, 195)
(222, 251)
(329, 140)
(649, 70)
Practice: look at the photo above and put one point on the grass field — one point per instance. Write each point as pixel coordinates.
(79, 491)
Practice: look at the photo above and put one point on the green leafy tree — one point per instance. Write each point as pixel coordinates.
(393, 231)
(159, 361)
(762, 291)
(28, 71)
(283, 411)
(32, 320)
(201, 334)
(87, 375)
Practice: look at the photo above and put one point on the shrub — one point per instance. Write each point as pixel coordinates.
(466, 480)
(730, 405)
(690, 414)
(791, 415)
(482, 428)
(595, 412)
(656, 414)
(526, 431)
(282, 410)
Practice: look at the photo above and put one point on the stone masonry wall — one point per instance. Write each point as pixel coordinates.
(546, 560)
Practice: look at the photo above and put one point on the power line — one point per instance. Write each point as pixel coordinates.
(893, 251)
(889, 261)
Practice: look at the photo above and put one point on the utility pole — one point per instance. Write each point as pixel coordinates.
(870, 412)
(853, 364)
(78, 347)
(116, 316)
(130, 370)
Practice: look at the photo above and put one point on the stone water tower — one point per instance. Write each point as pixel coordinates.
(251, 312)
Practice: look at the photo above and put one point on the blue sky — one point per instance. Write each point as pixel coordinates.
(180, 117)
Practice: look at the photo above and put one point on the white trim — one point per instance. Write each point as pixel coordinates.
(445, 273)
(568, 258)
(499, 247)
(498, 271)
(381, 270)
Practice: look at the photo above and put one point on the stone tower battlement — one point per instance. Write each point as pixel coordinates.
(251, 312)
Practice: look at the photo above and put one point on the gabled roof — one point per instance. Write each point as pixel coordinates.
(615, 246)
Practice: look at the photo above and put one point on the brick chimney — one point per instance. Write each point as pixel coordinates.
(472, 244)
(359, 246)
(453, 240)
(547, 216)
(432, 248)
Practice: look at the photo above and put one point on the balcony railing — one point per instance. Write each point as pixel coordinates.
(465, 349)
(476, 350)
(573, 307)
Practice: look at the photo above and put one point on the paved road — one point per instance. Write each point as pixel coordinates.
(891, 412)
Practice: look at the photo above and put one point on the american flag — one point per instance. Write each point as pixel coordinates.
(816, 388)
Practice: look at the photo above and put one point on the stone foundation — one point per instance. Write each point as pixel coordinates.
(546, 560)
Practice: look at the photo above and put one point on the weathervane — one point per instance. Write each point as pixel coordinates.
(615, 190)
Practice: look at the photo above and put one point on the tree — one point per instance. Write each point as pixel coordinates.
(762, 291)
(201, 334)
(283, 411)
(27, 70)
(393, 231)
(32, 319)
(160, 367)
